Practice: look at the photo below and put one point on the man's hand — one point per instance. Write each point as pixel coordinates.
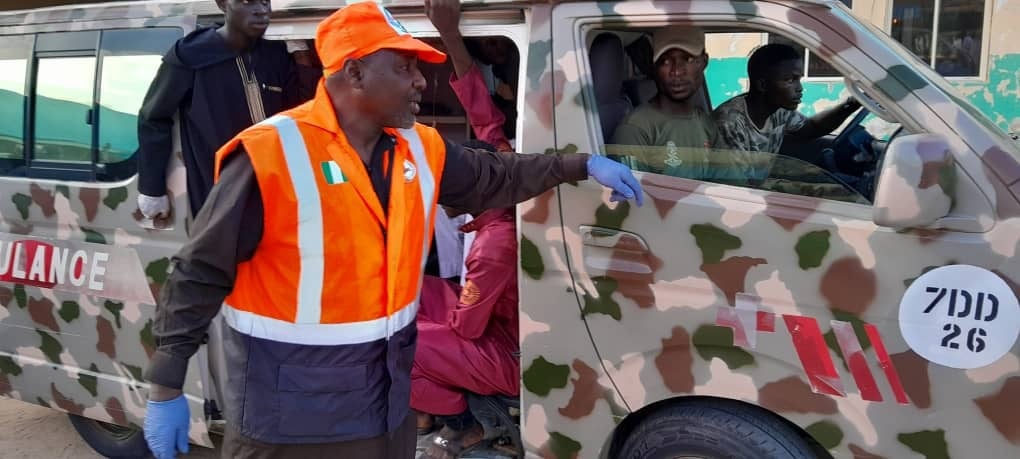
(852, 104)
(166, 427)
(154, 206)
(617, 177)
(444, 14)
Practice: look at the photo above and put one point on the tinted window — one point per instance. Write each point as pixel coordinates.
(954, 48)
(14, 55)
(86, 89)
(130, 59)
(64, 91)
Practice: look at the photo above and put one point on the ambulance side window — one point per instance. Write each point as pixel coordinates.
(129, 59)
(70, 101)
(15, 52)
(63, 101)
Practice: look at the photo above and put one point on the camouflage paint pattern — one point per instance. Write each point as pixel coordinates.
(672, 320)
(614, 322)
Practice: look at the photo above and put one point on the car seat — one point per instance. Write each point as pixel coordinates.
(608, 66)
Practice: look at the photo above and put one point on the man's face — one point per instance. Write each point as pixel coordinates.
(679, 74)
(393, 88)
(494, 50)
(250, 17)
(783, 88)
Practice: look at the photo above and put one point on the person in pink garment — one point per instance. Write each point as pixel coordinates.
(467, 336)
(467, 82)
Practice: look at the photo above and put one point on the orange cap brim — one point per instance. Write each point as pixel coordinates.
(407, 43)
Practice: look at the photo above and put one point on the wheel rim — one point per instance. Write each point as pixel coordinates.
(116, 431)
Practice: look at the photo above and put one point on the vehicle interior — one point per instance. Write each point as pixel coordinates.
(841, 166)
(442, 110)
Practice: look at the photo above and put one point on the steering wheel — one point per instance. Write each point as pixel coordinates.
(852, 155)
(844, 135)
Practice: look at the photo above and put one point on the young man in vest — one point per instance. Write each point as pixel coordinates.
(311, 245)
(220, 80)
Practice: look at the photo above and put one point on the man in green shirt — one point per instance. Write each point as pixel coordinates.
(671, 122)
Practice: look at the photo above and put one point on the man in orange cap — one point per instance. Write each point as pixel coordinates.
(311, 246)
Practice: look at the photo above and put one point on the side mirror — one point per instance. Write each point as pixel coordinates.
(917, 183)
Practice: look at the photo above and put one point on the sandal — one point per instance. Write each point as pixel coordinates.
(449, 443)
(426, 423)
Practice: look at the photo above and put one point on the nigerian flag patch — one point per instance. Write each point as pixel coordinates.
(331, 170)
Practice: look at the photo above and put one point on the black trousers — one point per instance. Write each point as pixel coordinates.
(399, 444)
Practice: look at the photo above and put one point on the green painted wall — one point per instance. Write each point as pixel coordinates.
(999, 98)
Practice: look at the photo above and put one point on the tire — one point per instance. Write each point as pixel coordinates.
(714, 429)
(111, 440)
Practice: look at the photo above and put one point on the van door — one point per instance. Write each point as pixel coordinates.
(81, 270)
(762, 278)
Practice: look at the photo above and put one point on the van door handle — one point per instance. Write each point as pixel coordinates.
(597, 236)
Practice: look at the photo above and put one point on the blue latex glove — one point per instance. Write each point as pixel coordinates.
(616, 177)
(166, 427)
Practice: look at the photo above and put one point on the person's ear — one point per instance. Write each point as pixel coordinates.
(354, 73)
(758, 85)
(222, 5)
(704, 61)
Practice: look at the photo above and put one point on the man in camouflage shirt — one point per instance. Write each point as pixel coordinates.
(759, 119)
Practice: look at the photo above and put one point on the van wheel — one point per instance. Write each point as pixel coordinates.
(711, 429)
(111, 440)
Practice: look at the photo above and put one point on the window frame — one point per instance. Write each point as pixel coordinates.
(56, 169)
(587, 30)
(808, 77)
(986, 40)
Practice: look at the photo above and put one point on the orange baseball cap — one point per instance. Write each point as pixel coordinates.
(360, 29)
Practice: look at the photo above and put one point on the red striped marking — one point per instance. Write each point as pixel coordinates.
(814, 356)
(766, 322)
(886, 363)
(850, 346)
(729, 317)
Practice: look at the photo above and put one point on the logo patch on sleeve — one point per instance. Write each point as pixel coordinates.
(470, 294)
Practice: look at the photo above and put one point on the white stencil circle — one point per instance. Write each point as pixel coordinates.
(960, 316)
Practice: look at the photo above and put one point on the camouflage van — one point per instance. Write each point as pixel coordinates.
(844, 298)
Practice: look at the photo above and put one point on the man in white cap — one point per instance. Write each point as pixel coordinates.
(672, 118)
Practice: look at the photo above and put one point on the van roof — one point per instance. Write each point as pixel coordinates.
(162, 8)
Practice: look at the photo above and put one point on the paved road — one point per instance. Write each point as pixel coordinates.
(30, 431)
(33, 432)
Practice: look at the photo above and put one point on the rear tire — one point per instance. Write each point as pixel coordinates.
(714, 429)
(111, 440)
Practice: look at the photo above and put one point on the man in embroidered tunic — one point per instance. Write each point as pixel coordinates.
(219, 80)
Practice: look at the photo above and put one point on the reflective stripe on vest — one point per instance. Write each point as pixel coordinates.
(308, 330)
(318, 334)
(428, 189)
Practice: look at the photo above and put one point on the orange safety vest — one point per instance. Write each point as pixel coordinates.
(331, 267)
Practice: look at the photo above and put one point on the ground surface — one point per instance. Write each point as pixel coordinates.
(32, 432)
